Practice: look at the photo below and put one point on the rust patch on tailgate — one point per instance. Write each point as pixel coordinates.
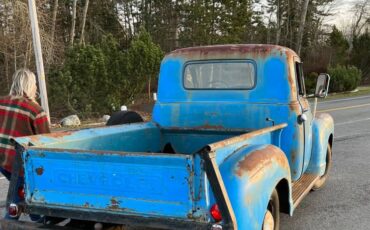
(60, 134)
(37, 138)
(39, 171)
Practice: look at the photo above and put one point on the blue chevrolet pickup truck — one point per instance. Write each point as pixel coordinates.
(232, 143)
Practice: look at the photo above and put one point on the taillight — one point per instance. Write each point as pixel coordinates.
(215, 213)
(13, 210)
(21, 192)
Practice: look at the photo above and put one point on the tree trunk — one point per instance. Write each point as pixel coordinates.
(15, 50)
(6, 63)
(291, 24)
(14, 37)
(5, 30)
(268, 36)
(360, 10)
(53, 25)
(73, 27)
(149, 87)
(278, 17)
(128, 20)
(301, 27)
(175, 25)
(131, 9)
(84, 22)
(28, 55)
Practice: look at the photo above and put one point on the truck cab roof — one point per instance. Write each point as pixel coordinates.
(237, 51)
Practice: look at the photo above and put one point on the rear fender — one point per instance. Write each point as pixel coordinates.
(250, 176)
(322, 135)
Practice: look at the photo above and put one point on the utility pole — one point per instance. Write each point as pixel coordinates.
(38, 56)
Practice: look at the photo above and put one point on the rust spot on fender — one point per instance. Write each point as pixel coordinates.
(39, 171)
(293, 155)
(253, 165)
(325, 118)
(249, 198)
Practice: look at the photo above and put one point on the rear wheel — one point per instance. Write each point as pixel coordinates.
(271, 220)
(321, 182)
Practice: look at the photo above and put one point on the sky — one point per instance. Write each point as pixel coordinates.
(343, 13)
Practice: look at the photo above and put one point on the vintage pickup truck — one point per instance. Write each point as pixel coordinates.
(232, 143)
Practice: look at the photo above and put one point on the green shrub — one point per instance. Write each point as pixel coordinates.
(344, 78)
(360, 55)
(310, 82)
(144, 58)
(97, 79)
(73, 88)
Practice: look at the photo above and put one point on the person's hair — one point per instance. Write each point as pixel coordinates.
(24, 82)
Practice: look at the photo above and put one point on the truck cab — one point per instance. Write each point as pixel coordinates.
(232, 143)
(239, 86)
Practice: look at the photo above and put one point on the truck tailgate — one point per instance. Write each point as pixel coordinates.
(144, 184)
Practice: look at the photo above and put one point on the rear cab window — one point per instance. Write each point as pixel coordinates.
(220, 74)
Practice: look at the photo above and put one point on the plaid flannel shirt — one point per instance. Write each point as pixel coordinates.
(19, 117)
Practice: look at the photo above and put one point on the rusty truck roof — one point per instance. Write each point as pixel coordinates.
(232, 51)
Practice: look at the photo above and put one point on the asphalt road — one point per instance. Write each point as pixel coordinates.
(344, 203)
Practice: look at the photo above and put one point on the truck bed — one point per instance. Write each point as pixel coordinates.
(124, 173)
(143, 137)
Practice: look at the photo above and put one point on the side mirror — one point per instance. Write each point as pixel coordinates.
(322, 85)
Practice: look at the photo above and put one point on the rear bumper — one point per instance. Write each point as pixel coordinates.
(88, 215)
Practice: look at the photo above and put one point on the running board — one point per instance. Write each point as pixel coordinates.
(302, 187)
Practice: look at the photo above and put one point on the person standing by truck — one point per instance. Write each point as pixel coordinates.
(20, 115)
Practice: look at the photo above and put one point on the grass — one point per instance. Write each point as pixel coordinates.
(361, 91)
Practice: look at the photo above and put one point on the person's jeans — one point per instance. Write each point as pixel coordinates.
(17, 198)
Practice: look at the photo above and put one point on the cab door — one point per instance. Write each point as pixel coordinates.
(305, 118)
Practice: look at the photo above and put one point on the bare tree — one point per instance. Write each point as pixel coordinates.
(84, 21)
(278, 21)
(301, 26)
(73, 27)
(53, 25)
(362, 17)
